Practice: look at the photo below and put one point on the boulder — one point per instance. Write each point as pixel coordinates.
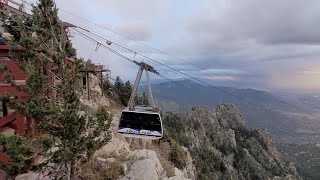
(148, 161)
(111, 160)
(143, 169)
(125, 168)
(7, 36)
(101, 160)
(178, 175)
(115, 145)
(143, 154)
(28, 176)
(34, 35)
(46, 178)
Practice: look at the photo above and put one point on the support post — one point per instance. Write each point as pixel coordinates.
(150, 95)
(29, 125)
(88, 85)
(101, 76)
(135, 88)
(20, 124)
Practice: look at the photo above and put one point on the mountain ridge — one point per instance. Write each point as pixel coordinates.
(223, 148)
(265, 110)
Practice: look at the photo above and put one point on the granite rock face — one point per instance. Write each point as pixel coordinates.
(223, 148)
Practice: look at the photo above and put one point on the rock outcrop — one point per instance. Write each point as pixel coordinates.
(223, 148)
(138, 162)
(147, 166)
(203, 144)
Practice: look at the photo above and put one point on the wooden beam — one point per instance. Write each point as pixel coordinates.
(29, 125)
(20, 124)
(88, 85)
(101, 76)
(8, 119)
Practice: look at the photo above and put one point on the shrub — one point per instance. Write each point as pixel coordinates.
(3, 68)
(20, 150)
(114, 171)
(177, 155)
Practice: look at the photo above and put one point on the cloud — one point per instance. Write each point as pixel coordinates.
(263, 44)
(221, 78)
(279, 22)
(223, 71)
(262, 38)
(303, 78)
(139, 9)
(137, 30)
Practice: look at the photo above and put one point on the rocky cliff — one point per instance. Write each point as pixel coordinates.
(223, 148)
(201, 144)
(122, 158)
(127, 158)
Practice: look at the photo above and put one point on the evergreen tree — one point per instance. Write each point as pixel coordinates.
(127, 90)
(144, 98)
(123, 90)
(118, 86)
(75, 138)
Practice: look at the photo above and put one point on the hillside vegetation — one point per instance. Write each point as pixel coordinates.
(306, 158)
(223, 148)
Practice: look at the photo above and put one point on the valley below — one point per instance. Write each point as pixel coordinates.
(292, 119)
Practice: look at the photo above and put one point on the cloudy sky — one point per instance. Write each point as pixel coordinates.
(266, 44)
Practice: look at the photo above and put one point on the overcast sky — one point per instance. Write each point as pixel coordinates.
(265, 44)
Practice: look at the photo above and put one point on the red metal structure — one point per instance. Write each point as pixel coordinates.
(13, 120)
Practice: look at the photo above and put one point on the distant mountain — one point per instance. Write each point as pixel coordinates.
(260, 109)
(304, 100)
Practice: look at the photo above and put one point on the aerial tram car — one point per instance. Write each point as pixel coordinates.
(141, 121)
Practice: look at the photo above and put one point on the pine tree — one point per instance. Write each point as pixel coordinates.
(144, 99)
(75, 138)
(127, 90)
(118, 84)
(123, 90)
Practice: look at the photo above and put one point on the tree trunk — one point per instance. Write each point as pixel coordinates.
(72, 171)
(69, 171)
